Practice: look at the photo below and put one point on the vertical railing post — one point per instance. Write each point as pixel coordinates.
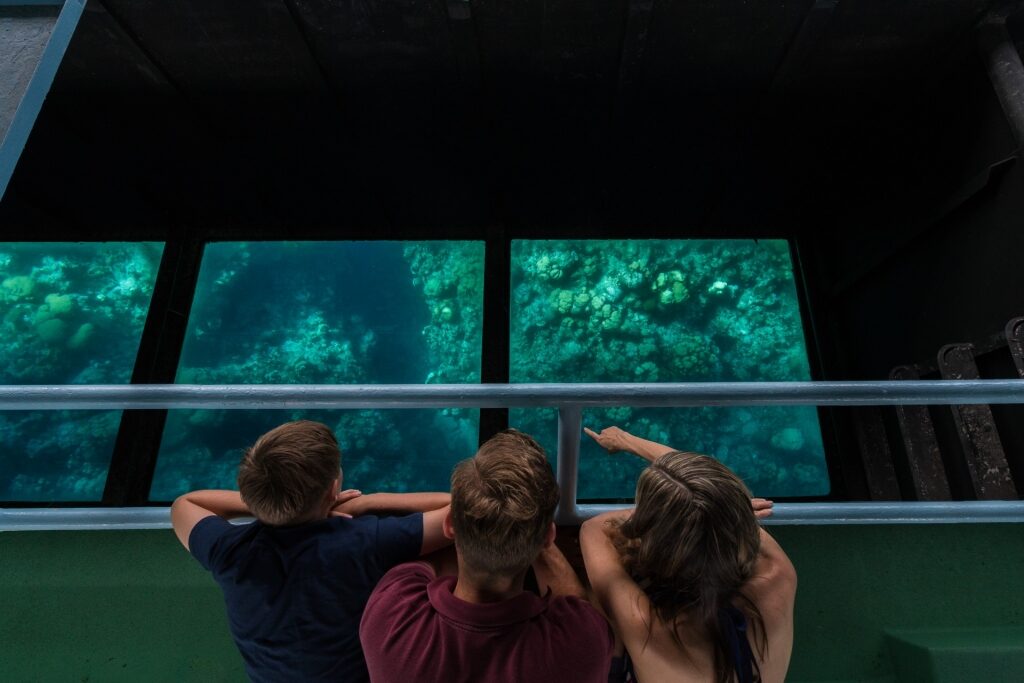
(570, 423)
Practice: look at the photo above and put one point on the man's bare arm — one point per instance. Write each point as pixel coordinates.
(554, 572)
(192, 507)
(445, 562)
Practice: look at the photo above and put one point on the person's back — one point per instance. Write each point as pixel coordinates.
(296, 580)
(481, 626)
(694, 588)
(659, 656)
(295, 594)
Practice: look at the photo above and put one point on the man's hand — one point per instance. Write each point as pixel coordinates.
(554, 573)
(762, 507)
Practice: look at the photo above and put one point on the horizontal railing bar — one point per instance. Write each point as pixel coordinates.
(387, 396)
(84, 519)
(791, 514)
(903, 512)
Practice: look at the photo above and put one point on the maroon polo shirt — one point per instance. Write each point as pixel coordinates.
(415, 629)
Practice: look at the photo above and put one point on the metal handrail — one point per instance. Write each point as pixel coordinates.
(569, 399)
(389, 396)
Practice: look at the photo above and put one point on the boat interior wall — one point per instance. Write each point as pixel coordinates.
(767, 118)
(867, 133)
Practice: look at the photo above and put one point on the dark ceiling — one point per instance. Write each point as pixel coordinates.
(448, 116)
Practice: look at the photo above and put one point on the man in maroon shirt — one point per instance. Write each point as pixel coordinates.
(481, 625)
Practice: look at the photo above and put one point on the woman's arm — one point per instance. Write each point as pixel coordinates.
(774, 572)
(613, 440)
(619, 597)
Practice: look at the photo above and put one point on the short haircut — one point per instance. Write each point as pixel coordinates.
(284, 476)
(503, 503)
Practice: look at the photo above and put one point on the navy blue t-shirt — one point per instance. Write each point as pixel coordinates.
(295, 595)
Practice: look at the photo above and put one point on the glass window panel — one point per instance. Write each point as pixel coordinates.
(72, 313)
(331, 313)
(668, 311)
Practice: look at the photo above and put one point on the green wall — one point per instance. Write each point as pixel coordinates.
(857, 583)
(131, 605)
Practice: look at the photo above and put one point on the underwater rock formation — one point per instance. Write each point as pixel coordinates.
(382, 312)
(390, 312)
(71, 314)
(668, 311)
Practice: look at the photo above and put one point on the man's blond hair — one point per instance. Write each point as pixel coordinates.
(503, 503)
(285, 476)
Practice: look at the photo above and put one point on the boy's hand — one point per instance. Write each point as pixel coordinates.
(343, 505)
(762, 507)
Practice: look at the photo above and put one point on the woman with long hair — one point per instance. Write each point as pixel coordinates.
(695, 589)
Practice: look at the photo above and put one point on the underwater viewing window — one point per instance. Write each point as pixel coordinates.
(668, 311)
(331, 313)
(72, 313)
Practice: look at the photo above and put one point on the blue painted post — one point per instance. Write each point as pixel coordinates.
(570, 423)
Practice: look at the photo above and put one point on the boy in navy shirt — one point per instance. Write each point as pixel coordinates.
(296, 580)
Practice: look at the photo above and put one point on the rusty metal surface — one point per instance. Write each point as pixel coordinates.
(986, 460)
(875, 454)
(920, 445)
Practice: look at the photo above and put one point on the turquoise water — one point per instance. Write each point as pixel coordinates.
(331, 313)
(71, 314)
(668, 311)
(383, 312)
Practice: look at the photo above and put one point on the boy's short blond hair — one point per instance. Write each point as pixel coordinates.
(503, 503)
(285, 475)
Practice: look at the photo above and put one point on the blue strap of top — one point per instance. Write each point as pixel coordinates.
(734, 626)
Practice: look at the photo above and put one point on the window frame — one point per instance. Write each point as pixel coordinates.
(133, 462)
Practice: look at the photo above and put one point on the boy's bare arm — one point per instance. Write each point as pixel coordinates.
(192, 507)
(554, 572)
(394, 503)
(434, 506)
(433, 530)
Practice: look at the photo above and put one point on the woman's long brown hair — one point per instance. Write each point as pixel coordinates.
(691, 543)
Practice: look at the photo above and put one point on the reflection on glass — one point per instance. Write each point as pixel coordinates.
(69, 314)
(331, 313)
(668, 311)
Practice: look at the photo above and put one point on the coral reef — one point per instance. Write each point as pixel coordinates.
(450, 276)
(669, 311)
(262, 315)
(293, 312)
(65, 321)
